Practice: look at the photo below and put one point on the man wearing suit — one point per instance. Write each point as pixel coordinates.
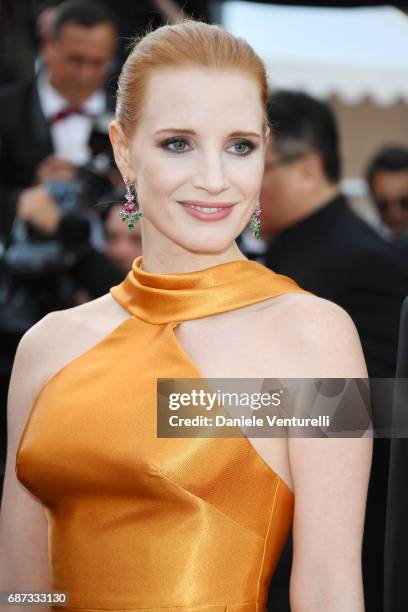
(313, 236)
(387, 178)
(45, 124)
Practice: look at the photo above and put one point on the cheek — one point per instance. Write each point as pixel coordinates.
(255, 176)
(246, 175)
(158, 178)
(284, 187)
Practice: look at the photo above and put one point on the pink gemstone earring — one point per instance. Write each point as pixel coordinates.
(255, 221)
(130, 214)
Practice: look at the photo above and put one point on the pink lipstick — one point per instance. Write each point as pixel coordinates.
(208, 211)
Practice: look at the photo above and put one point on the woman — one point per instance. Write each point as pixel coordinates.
(136, 521)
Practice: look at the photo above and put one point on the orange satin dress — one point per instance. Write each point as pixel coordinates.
(137, 522)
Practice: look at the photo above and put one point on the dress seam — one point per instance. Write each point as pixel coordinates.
(266, 538)
(208, 503)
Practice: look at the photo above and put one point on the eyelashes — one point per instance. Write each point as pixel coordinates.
(180, 145)
(176, 144)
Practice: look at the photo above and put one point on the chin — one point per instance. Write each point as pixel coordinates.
(209, 249)
(207, 245)
(211, 240)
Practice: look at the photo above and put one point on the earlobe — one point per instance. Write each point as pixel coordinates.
(120, 148)
(311, 169)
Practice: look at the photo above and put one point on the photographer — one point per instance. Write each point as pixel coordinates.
(55, 163)
(54, 151)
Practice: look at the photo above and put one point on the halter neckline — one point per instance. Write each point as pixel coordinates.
(162, 298)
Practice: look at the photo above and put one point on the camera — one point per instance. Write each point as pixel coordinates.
(36, 268)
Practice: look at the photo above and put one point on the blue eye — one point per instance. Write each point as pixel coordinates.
(176, 144)
(179, 145)
(243, 147)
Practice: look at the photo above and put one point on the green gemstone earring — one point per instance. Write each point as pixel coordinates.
(130, 214)
(255, 221)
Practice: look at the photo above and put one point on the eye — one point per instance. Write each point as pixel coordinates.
(243, 147)
(176, 144)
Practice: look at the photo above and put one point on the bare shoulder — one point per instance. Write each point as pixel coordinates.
(62, 335)
(307, 313)
(61, 324)
(320, 333)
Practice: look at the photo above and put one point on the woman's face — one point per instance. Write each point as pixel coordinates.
(199, 142)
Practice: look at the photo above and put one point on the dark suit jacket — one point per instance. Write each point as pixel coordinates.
(396, 541)
(25, 140)
(336, 255)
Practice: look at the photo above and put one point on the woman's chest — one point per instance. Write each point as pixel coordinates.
(251, 344)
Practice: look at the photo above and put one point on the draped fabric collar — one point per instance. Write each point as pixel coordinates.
(162, 298)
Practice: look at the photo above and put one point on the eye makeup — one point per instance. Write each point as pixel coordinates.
(180, 145)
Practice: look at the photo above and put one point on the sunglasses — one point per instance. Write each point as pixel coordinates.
(384, 204)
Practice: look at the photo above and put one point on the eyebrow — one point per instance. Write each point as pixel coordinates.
(193, 133)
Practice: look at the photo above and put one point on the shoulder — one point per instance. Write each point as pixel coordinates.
(62, 323)
(309, 313)
(64, 334)
(320, 334)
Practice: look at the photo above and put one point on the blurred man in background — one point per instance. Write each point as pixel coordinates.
(46, 125)
(387, 178)
(311, 234)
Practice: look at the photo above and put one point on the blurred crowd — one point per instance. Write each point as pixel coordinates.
(62, 242)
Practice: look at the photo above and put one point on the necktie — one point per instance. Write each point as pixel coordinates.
(66, 112)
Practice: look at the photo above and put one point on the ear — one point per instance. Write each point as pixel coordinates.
(311, 168)
(47, 49)
(121, 151)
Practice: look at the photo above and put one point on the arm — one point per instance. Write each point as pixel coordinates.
(330, 477)
(23, 524)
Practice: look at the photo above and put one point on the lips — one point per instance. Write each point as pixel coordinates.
(201, 204)
(207, 211)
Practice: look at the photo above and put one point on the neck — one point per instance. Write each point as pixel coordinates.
(303, 209)
(176, 260)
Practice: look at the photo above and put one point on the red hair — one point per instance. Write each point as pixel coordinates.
(185, 44)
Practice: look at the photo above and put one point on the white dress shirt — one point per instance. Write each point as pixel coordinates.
(70, 136)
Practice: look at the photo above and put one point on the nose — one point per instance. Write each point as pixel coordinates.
(86, 73)
(210, 174)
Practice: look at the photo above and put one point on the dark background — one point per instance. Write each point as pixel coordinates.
(18, 36)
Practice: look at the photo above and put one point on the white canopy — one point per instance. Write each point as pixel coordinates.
(350, 52)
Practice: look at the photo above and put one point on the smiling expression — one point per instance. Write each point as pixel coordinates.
(200, 143)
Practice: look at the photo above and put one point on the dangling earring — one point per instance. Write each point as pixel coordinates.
(255, 222)
(130, 214)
